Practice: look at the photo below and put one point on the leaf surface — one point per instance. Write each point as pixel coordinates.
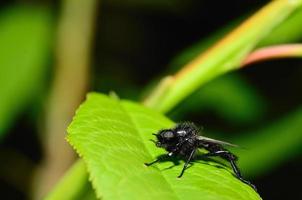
(113, 137)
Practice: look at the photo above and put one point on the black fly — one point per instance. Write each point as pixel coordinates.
(184, 139)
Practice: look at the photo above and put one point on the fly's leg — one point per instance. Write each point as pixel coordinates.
(187, 162)
(151, 163)
(178, 145)
(239, 176)
(230, 158)
(159, 159)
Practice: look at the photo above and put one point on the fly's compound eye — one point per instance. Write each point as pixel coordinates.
(168, 134)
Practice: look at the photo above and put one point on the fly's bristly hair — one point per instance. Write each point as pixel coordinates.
(185, 139)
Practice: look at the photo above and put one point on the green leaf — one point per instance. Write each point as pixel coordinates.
(229, 96)
(113, 138)
(272, 145)
(24, 37)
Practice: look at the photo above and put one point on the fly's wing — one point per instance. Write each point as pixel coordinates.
(206, 139)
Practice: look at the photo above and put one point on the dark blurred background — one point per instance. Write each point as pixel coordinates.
(130, 46)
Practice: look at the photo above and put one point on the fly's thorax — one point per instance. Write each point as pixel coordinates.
(185, 129)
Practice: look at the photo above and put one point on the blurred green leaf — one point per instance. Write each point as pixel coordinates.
(25, 35)
(113, 137)
(268, 147)
(228, 96)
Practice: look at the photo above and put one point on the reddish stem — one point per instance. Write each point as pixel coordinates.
(273, 52)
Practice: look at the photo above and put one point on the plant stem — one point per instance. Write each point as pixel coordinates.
(226, 55)
(75, 32)
(159, 91)
(273, 52)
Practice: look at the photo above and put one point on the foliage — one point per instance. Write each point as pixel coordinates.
(113, 137)
(272, 145)
(25, 38)
(229, 96)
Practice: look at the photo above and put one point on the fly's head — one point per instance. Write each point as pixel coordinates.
(166, 139)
